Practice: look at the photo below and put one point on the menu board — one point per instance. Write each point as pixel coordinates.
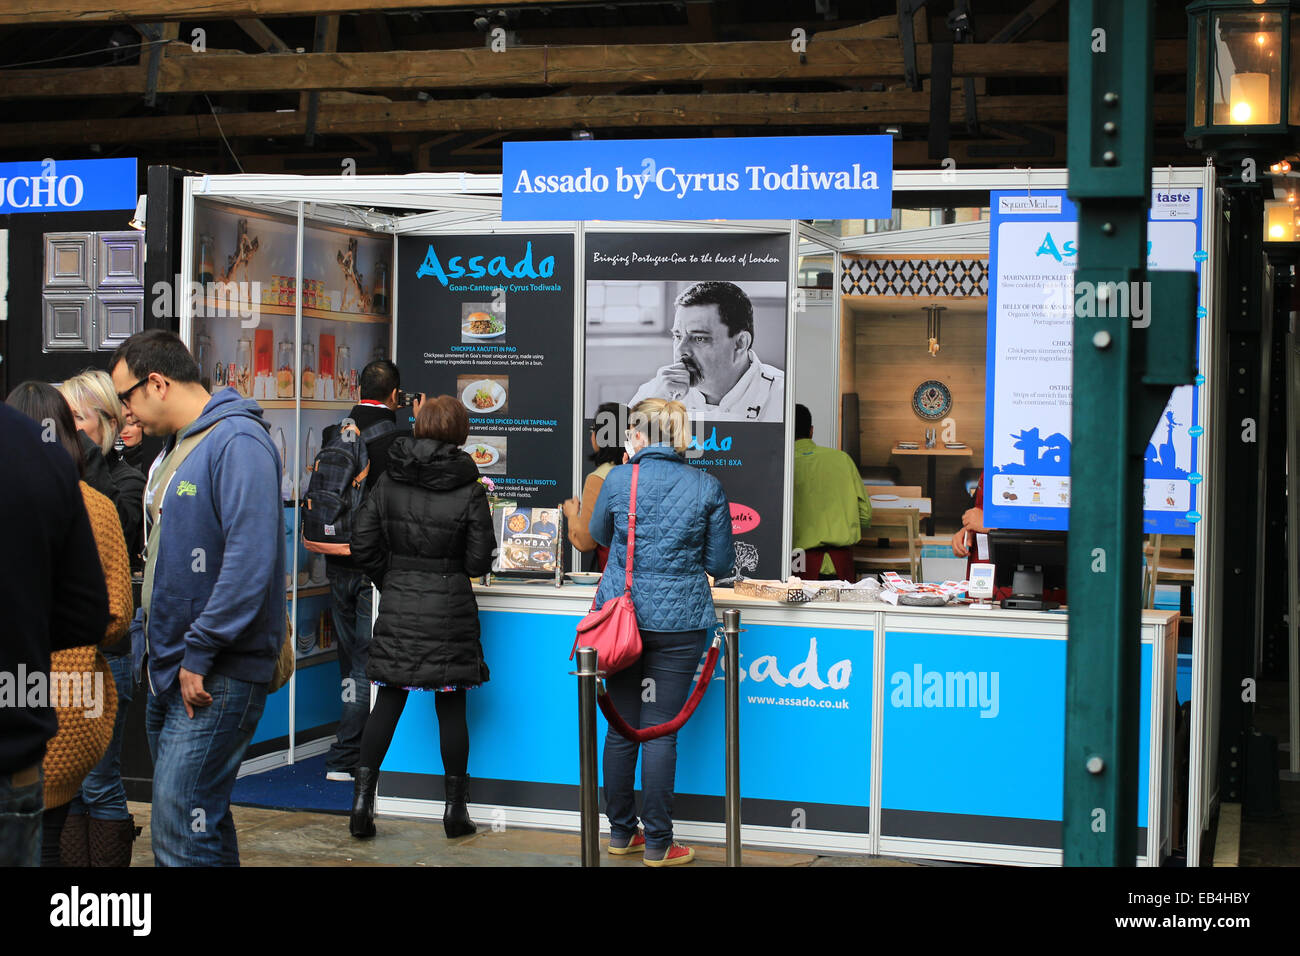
(701, 318)
(1032, 304)
(489, 319)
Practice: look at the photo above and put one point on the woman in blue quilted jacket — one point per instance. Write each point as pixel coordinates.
(683, 530)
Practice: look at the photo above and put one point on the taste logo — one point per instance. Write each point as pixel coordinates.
(743, 519)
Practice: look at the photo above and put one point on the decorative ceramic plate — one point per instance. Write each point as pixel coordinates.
(932, 400)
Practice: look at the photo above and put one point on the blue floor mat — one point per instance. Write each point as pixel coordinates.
(299, 786)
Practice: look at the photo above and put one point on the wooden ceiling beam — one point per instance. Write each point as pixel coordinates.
(833, 59)
(263, 36)
(558, 113)
(98, 11)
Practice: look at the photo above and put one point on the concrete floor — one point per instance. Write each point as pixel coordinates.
(290, 838)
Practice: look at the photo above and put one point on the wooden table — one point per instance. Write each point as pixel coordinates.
(921, 504)
(931, 454)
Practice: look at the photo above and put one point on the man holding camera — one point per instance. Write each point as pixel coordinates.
(382, 417)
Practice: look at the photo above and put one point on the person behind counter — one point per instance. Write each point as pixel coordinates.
(606, 432)
(964, 545)
(683, 530)
(972, 523)
(831, 506)
(422, 533)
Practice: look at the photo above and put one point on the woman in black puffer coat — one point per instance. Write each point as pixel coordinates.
(423, 532)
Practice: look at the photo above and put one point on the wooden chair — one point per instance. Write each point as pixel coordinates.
(904, 491)
(1164, 562)
(902, 528)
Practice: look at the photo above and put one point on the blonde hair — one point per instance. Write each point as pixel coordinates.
(92, 393)
(662, 421)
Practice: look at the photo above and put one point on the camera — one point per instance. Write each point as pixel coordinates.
(407, 399)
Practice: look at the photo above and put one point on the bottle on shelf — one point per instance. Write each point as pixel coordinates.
(206, 270)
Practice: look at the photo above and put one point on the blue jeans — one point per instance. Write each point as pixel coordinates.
(670, 660)
(21, 812)
(353, 605)
(195, 763)
(102, 794)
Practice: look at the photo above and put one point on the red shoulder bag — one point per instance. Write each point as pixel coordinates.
(613, 630)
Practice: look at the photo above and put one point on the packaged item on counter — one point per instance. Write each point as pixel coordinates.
(866, 591)
(793, 591)
(898, 590)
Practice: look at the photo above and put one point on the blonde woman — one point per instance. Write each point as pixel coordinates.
(683, 530)
(98, 415)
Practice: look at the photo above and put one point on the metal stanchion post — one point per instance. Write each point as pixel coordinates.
(587, 804)
(731, 669)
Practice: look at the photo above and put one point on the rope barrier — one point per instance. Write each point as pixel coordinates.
(650, 733)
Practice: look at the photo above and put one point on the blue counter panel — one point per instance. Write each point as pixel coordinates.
(802, 745)
(995, 754)
(275, 717)
(320, 696)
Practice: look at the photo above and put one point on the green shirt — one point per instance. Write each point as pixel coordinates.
(830, 504)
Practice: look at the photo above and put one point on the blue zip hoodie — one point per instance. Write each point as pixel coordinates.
(218, 600)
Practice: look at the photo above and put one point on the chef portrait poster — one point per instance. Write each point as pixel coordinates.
(489, 319)
(701, 319)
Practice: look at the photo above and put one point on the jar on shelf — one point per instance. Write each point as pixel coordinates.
(308, 371)
(342, 366)
(284, 370)
(242, 368)
(379, 293)
(206, 272)
(203, 352)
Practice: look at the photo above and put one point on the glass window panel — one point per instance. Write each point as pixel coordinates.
(1247, 81)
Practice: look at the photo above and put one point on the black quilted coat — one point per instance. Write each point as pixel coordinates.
(421, 534)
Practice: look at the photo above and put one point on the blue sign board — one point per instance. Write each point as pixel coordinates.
(67, 185)
(1033, 301)
(781, 177)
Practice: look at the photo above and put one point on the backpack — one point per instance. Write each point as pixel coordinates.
(337, 487)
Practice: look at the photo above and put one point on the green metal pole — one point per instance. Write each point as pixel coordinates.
(1118, 392)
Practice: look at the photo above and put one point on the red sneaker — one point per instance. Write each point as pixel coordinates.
(675, 856)
(635, 845)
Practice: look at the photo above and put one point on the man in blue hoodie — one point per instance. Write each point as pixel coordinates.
(208, 634)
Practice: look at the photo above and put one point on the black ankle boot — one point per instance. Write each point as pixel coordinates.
(364, 783)
(455, 815)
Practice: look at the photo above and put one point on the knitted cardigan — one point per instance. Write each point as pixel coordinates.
(86, 699)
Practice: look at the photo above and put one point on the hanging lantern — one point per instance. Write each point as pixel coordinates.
(932, 328)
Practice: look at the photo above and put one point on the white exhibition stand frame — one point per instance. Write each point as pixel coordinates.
(461, 203)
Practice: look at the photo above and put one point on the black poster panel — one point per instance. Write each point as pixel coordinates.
(701, 318)
(489, 319)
